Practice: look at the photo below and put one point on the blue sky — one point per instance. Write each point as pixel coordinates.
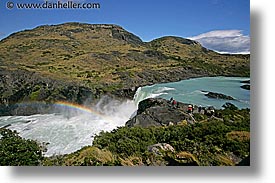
(148, 19)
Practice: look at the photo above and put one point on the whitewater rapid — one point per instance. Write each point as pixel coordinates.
(71, 129)
(75, 126)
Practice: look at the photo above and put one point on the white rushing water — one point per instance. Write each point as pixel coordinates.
(71, 129)
(68, 134)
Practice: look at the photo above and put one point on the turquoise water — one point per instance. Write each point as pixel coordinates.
(66, 135)
(193, 91)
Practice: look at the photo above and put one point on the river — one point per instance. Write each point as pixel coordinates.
(193, 91)
(68, 133)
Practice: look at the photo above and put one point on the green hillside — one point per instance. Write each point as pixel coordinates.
(54, 62)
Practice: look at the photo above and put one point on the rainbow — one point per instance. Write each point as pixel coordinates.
(79, 107)
(68, 105)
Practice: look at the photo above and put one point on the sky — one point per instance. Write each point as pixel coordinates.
(222, 25)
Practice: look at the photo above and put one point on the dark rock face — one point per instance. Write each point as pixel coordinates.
(20, 88)
(230, 106)
(247, 81)
(120, 34)
(159, 112)
(246, 87)
(149, 77)
(125, 93)
(25, 109)
(219, 96)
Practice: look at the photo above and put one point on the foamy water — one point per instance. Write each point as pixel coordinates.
(72, 129)
(74, 126)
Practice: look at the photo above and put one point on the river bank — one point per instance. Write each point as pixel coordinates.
(32, 93)
(83, 122)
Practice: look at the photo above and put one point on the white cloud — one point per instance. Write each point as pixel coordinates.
(225, 41)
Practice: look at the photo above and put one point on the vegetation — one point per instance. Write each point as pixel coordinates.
(16, 151)
(223, 141)
(74, 62)
(211, 143)
(101, 54)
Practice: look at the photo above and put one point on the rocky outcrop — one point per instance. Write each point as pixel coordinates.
(157, 148)
(246, 81)
(21, 87)
(26, 93)
(159, 112)
(121, 34)
(230, 106)
(246, 87)
(218, 96)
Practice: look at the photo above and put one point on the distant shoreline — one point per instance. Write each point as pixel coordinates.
(40, 107)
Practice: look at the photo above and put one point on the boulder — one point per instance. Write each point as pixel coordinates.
(230, 106)
(218, 96)
(246, 87)
(246, 81)
(157, 148)
(159, 112)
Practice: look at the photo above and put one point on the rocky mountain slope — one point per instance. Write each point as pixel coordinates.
(75, 61)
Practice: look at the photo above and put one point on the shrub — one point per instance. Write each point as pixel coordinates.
(16, 151)
(206, 141)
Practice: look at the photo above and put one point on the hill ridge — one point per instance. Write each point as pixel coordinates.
(103, 58)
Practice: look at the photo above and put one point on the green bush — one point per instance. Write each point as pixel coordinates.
(207, 141)
(16, 151)
(211, 143)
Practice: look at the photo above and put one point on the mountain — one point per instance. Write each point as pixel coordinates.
(75, 61)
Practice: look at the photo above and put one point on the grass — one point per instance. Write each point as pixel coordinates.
(95, 58)
(89, 156)
(61, 52)
(239, 135)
